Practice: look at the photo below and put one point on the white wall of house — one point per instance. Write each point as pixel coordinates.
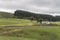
(46, 22)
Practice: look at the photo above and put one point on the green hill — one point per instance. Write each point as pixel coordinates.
(5, 15)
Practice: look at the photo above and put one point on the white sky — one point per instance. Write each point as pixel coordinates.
(38, 6)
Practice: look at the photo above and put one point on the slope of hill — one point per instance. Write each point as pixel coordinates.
(5, 15)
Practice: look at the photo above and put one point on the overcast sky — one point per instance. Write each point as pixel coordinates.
(37, 6)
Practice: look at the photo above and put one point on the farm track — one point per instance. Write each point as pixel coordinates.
(25, 26)
(10, 31)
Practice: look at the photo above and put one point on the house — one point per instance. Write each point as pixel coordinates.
(46, 22)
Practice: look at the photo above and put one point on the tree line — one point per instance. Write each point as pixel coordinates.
(34, 16)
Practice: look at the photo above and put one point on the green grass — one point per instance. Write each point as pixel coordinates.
(20, 22)
(13, 38)
(43, 33)
(58, 23)
(15, 22)
(48, 33)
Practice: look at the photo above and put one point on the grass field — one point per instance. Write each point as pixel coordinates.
(13, 38)
(15, 22)
(49, 33)
(19, 22)
(38, 33)
(58, 23)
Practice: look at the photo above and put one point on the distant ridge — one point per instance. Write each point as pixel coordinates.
(5, 14)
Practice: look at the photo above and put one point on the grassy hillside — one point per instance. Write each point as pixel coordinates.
(16, 22)
(23, 22)
(6, 19)
(38, 33)
(5, 15)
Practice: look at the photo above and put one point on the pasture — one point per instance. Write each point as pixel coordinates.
(34, 33)
(21, 22)
(15, 22)
(43, 33)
